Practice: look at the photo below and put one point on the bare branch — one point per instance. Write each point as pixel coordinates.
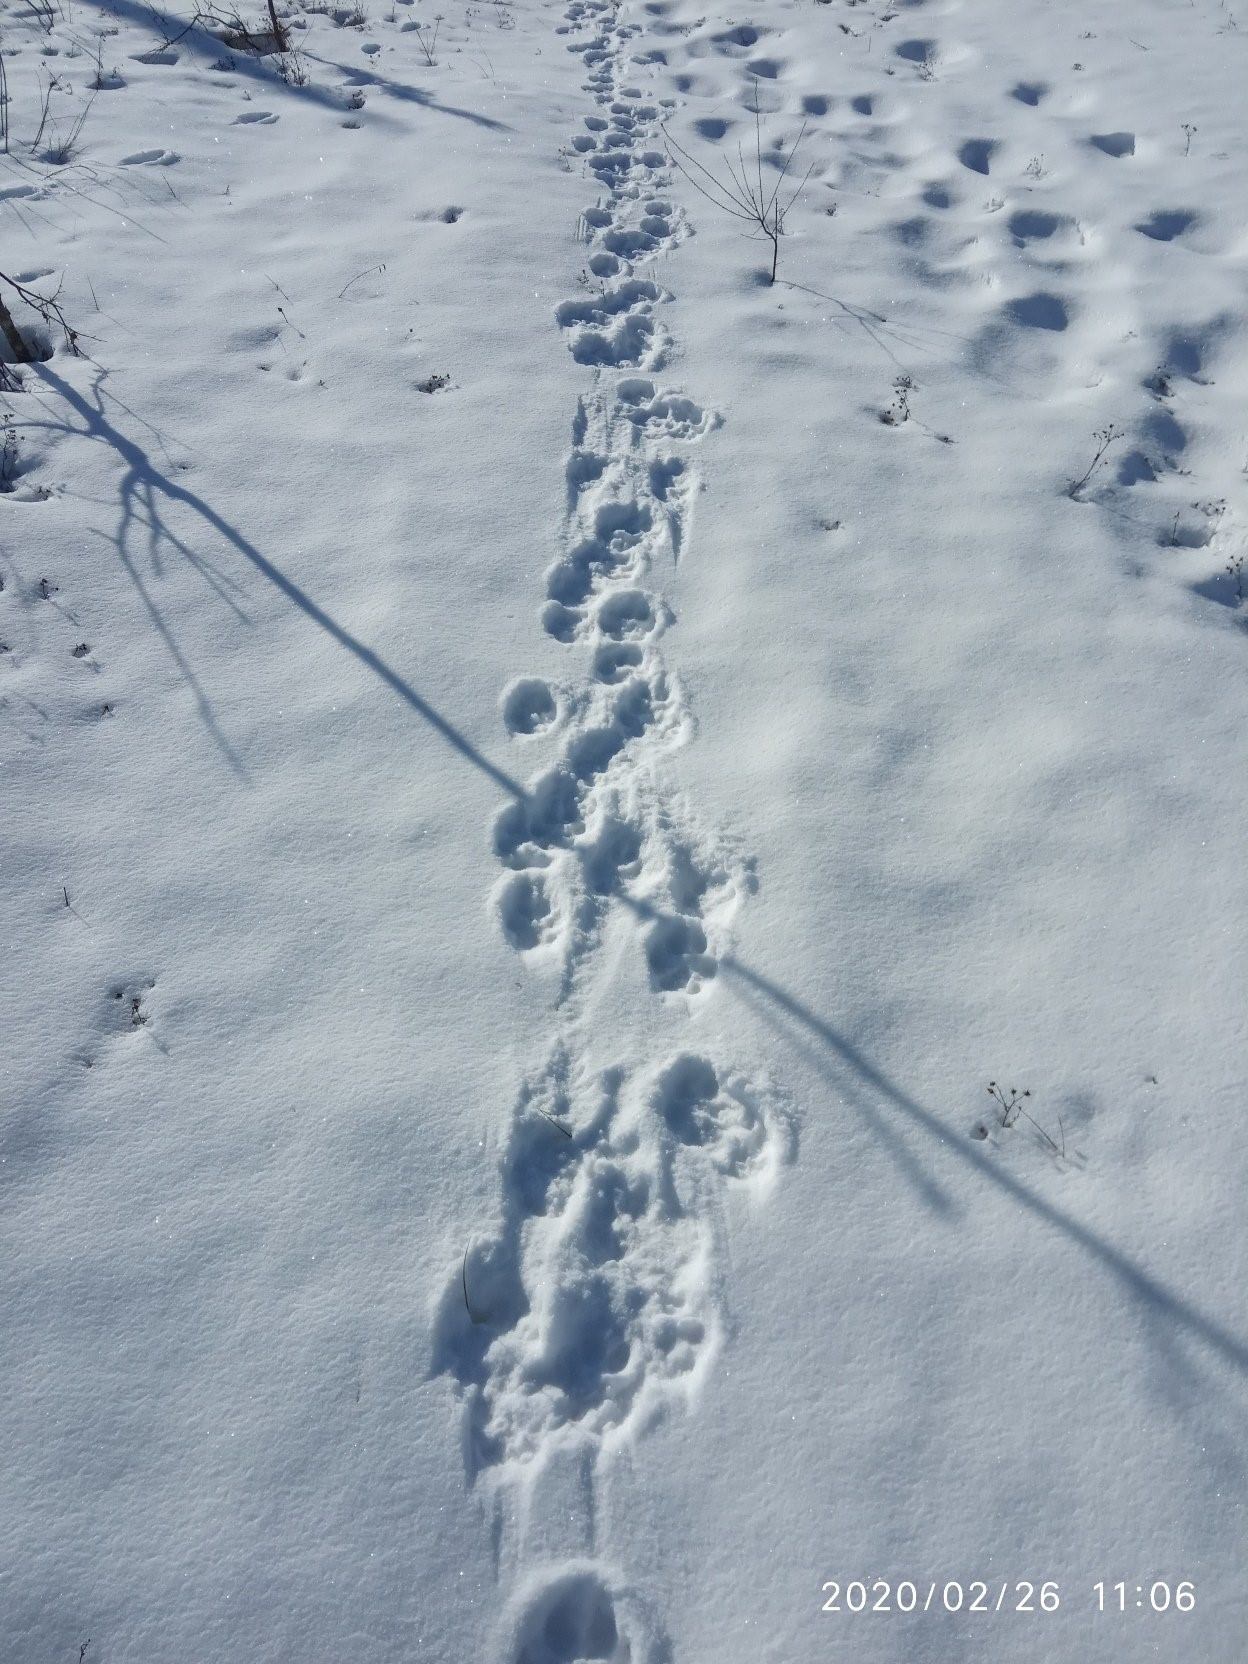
(740, 192)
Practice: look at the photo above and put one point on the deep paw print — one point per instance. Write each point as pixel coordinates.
(709, 1111)
(626, 614)
(529, 706)
(526, 912)
(677, 954)
(578, 1619)
(669, 414)
(610, 853)
(151, 158)
(547, 818)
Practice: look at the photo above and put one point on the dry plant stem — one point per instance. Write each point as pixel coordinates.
(48, 308)
(63, 149)
(1106, 436)
(43, 117)
(741, 195)
(1057, 1149)
(13, 335)
(280, 35)
(472, 1316)
(428, 40)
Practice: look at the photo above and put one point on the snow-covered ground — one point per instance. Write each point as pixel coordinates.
(544, 776)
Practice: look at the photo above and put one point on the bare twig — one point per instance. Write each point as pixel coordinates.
(741, 192)
(48, 308)
(44, 12)
(1011, 1107)
(358, 276)
(1105, 437)
(280, 32)
(13, 335)
(1058, 1150)
(428, 39)
(62, 150)
(4, 106)
(472, 1316)
(53, 84)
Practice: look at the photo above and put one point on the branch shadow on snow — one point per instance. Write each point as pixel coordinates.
(358, 76)
(145, 490)
(854, 1075)
(199, 40)
(145, 493)
(876, 326)
(879, 1100)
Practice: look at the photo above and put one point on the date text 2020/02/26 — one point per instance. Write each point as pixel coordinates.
(1023, 1595)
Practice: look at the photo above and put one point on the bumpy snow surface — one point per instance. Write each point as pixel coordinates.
(624, 901)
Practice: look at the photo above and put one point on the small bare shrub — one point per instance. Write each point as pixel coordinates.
(1104, 437)
(740, 190)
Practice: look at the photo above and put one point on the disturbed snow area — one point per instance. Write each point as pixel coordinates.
(545, 776)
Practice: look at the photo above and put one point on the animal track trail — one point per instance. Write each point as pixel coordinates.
(598, 1300)
(594, 826)
(595, 1302)
(630, 493)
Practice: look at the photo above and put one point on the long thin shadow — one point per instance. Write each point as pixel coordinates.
(1157, 1300)
(874, 324)
(144, 477)
(202, 703)
(924, 1183)
(914, 1172)
(65, 182)
(360, 77)
(145, 485)
(200, 40)
(1153, 1295)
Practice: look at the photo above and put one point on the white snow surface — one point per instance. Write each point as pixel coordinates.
(544, 776)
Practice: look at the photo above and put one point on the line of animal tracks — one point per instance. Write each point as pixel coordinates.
(596, 1304)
